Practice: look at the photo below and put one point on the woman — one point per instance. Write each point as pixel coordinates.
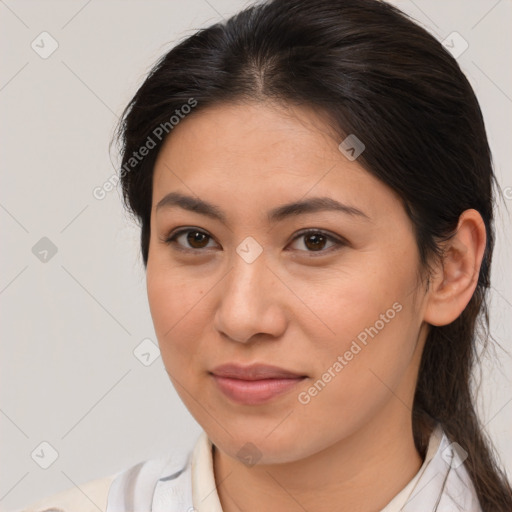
(315, 193)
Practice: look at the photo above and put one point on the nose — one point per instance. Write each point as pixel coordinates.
(250, 302)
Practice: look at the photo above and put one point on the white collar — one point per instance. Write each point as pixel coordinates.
(186, 483)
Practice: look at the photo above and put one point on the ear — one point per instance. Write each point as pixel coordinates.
(456, 276)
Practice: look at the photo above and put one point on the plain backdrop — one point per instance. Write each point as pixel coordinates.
(72, 289)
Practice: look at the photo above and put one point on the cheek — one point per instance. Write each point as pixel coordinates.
(372, 334)
(356, 379)
(172, 301)
(356, 304)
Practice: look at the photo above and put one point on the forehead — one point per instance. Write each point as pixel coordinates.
(248, 138)
(260, 152)
(242, 130)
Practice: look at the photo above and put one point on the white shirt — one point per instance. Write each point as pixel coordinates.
(420, 494)
(186, 483)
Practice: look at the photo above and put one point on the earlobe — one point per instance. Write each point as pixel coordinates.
(457, 275)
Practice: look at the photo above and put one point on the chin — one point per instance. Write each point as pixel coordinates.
(251, 446)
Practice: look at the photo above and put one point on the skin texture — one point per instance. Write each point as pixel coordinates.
(296, 307)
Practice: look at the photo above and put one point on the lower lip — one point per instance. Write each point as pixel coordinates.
(254, 392)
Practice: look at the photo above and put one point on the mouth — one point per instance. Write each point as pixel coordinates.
(255, 384)
(254, 372)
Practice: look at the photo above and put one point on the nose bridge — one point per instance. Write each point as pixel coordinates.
(249, 270)
(246, 287)
(248, 303)
(248, 275)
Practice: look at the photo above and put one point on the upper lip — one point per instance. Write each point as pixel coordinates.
(254, 372)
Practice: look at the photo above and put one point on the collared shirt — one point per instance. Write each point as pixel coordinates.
(186, 483)
(442, 484)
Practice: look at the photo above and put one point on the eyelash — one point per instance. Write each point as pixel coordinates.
(338, 242)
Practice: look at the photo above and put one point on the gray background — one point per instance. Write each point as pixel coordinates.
(70, 325)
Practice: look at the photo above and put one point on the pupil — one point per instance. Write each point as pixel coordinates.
(317, 241)
(194, 237)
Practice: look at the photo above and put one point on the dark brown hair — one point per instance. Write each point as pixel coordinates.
(378, 75)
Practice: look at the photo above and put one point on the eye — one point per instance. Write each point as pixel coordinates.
(195, 238)
(315, 240)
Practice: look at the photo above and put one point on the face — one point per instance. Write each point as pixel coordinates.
(328, 294)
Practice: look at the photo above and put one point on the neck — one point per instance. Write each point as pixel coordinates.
(348, 476)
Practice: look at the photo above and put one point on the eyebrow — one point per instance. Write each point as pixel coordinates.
(315, 204)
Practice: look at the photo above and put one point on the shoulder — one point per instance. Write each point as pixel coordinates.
(165, 479)
(88, 497)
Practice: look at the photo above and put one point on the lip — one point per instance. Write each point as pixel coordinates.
(254, 372)
(254, 384)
